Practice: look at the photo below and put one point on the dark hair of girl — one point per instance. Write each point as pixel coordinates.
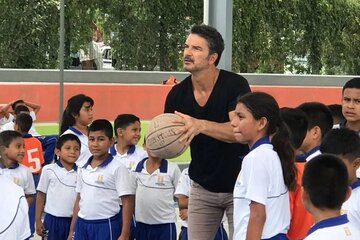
(73, 108)
(261, 105)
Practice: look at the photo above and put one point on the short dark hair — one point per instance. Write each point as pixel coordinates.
(24, 121)
(318, 114)
(342, 141)
(352, 83)
(21, 108)
(124, 120)
(297, 123)
(67, 137)
(325, 179)
(102, 125)
(213, 38)
(6, 137)
(336, 112)
(14, 105)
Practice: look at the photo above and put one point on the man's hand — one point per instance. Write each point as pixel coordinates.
(191, 128)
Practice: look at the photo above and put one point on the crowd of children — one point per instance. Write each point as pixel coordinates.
(298, 181)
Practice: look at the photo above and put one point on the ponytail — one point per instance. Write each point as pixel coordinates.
(67, 121)
(281, 141)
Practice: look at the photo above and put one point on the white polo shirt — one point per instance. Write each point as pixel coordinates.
(155, 192)
(131, 158)
(101, 187)
(14, 223)
(313, 153)
(21, 176)
(261, 180)
(183, 188)
(59, 186)
(85, 153)
(352, 206)
(336, 228)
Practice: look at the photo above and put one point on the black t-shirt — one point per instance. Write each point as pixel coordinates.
(215, 164)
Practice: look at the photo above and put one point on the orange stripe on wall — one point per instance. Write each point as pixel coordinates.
(145, 101)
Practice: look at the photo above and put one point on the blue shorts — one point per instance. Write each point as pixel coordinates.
(98, 229)
(155, 231)
(220, 234)
(57, 227)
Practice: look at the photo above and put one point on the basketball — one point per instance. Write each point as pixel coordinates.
(161, 140)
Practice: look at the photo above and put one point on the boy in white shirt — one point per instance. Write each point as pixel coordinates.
(325, 189)
(155, 182)
(345, 144)
(57, 186)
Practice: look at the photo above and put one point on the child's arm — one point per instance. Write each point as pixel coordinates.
(29, 198)
(128, 207)
(74, 217)
(34, 106)
(183, 206)
(256, 221)
(40, 202)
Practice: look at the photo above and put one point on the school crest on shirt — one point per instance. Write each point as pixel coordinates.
(160, 181)
(99, 178)
(16, 180)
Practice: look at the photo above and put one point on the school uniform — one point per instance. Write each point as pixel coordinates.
(131, 158)
(261, 180)
(59, 186)
(183, 188)
(85, 153)
(312, 153)
(9, 125)
(155, 206)
(14, 222)
(352, 206)
(336, 228)
(21, 176)
(100, 188)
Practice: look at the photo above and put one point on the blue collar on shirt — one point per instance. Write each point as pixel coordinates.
(60, 165)
(317, 148)
(343, 125)
(261, 141)
(26, 135)
(163, 165)
(113, 151)
(12, 166)
(329, 222)
(103, 164)
(355, 184)
(77, 132)
(300, 158)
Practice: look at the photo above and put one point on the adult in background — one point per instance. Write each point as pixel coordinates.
(206, 101)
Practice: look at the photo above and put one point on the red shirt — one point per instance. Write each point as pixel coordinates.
(301, 220)
(34, 158)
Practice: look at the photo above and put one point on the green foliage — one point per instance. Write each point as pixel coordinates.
(272, 36)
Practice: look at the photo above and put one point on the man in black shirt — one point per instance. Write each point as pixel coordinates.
(206, 101)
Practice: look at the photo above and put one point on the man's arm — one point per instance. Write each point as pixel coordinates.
(193, 127)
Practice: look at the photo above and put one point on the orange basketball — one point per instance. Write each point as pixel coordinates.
(161, 139)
